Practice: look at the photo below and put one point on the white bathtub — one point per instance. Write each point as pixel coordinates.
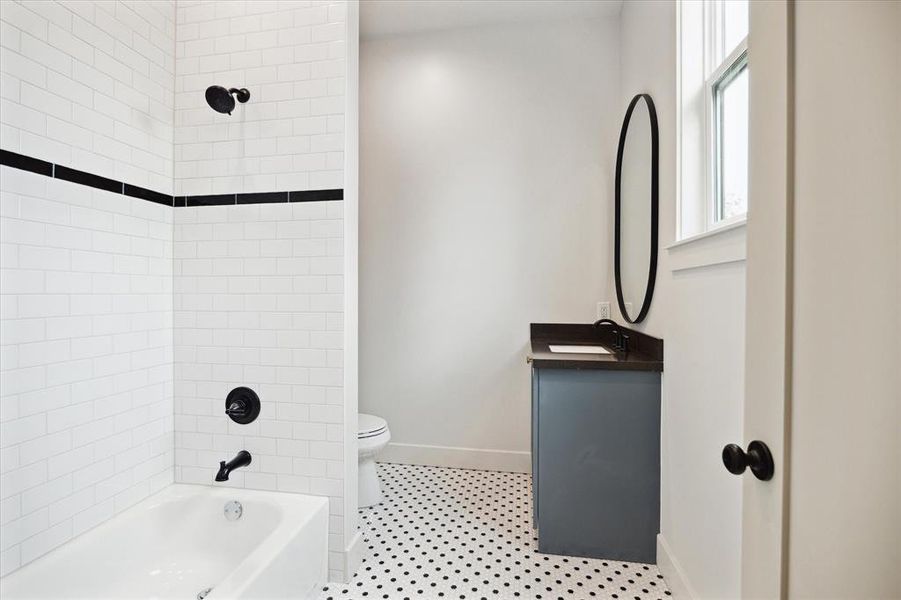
(179, 542)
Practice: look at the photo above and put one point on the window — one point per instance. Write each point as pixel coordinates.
(713, 114)
(729, 142)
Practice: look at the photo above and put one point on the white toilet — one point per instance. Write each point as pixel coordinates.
(372, 437)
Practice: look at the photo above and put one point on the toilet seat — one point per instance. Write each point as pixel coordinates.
(370, 426)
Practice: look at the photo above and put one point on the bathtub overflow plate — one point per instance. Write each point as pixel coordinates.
(233, 510)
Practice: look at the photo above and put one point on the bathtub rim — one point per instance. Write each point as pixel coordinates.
(249, 569)
(297, 512)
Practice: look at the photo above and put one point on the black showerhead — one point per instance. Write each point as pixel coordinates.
(220, 99)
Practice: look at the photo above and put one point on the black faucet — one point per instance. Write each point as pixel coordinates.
(620, 340)
(241, 460)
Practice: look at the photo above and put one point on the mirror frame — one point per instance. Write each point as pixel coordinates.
(655, 208)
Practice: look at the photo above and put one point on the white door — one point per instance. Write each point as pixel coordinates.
(769, 285)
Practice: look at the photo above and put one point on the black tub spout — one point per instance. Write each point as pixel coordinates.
(241, 460)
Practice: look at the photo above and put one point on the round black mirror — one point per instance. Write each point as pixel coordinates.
(637, 212)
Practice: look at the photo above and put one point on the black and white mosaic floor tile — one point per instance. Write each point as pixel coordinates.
(466, 535)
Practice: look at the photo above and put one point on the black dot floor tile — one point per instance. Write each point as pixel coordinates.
(459, 534)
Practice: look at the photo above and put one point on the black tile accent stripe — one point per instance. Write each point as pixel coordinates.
(42, 167)
(210, 200)
(26, 163)
(145, 194)
(262, 197)
(316, 195)
(88, 179)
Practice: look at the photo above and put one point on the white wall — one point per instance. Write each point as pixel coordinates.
(259, 288)
(89, 85)
(845, 520)
(486, 204)
(844, 509)
(86, 275)
(698, 310)
(86, 369)
(258, 303)
(290, 135)
(353, 536)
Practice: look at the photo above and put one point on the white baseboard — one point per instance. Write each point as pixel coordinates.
(461, 458)
(353, 556)
(672, 572)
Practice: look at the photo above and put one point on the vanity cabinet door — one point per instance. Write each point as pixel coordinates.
(598, 447)
(535, 375)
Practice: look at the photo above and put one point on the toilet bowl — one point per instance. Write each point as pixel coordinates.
(372, 437)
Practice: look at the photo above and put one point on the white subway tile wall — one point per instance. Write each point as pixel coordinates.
(259, 303)
(94, 412)
(86, 373)
(90, 85)
(290, 135)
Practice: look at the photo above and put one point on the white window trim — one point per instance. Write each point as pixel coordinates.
(726, 244)
(720, 241)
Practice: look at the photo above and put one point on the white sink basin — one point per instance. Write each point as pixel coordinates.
(560, 349)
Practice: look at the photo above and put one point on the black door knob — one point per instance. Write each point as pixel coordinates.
(758, 458)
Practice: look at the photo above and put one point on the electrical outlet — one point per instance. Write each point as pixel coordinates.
(603, 310)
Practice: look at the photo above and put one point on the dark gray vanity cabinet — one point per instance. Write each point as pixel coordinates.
(596, 455)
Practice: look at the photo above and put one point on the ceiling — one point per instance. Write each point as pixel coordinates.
(396, 17)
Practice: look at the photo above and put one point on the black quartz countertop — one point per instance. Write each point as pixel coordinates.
(645, 352)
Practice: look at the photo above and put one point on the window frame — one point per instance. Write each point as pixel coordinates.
(701, 63)
(730, 68)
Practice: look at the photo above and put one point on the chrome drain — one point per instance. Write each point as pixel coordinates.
(233, 510)
(203, 593)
